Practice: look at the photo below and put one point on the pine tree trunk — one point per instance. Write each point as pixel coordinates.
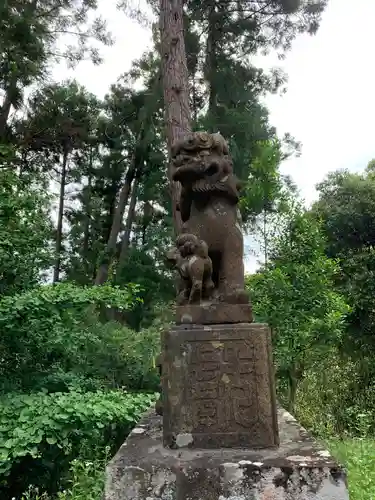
(88, 266)
(211, 63)
(175, 86)
(56, 270)
(265, 237)
(86, 231)
(195, 106)
(102, 274)
(129, 221)
(4, 113)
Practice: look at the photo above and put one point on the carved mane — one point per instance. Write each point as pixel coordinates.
(203, 166)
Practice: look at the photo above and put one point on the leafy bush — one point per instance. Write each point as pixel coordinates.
(86, 482)
(25, 229)
(358, 455)
(331, 400)
(52, 331)
(295, 295)
(138, 354)
(42, 433)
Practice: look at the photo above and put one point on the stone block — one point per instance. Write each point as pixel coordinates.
(213, 313)
(299, 469)
(218, 387)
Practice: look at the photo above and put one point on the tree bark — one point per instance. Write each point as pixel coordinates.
(4, 113)
(293, 384)
(175, 86)
(86, 231)
(56, 270)
(295, 375)
(89, 266)
(211, 63)
(129, 221)
(102, 274)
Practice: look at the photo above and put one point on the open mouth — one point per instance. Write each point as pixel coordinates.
(195, 169)
(212, 169)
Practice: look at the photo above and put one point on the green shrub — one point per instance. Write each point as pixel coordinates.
(25, 227)
(55, 330)
(358, 455)
(331, 401)
(42, 433)
(94, 355)
(86, 482)
(139, 351)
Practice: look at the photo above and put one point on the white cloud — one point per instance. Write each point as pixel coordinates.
(330, 103)
(131, 40)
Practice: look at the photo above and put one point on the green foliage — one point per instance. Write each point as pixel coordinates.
(122, 357)
(327, 405)
(25, 229)
(29, 34)
(86, 483)
(46, 332)
(249, 26)
(330, 401)
(141, 268)
(42, 433)
(61, 116)
(359, 458)
(266, 195)
(295, 295)
(346, 207)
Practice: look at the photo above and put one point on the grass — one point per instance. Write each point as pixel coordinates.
(358, 456)
(87, 483)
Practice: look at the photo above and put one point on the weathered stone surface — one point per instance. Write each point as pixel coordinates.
(300, 469)
(159, 403)
(208, 207)
(190, 258)
(210, 313)
(218, 387)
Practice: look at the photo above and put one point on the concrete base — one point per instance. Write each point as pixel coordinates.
(298, 470)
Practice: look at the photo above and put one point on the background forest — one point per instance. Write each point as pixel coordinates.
(84, 292)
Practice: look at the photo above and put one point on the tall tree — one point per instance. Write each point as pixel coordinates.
(295, 295)
(175, 85)
(25, 232)
(267, 195)
(138, 128)
(34, 33)
(59, 122)
(346, 207)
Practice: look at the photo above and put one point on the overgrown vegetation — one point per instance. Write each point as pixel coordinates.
(85, 218)
(42, 433)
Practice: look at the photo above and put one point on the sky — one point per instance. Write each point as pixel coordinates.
(330, 102)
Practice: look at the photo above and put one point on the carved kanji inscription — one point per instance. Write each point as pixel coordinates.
(225, 377)
(219, 386)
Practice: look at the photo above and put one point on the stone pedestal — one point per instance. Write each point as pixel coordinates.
(213, 313)
(218, 387)
(299, 469)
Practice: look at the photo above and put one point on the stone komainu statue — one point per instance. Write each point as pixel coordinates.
(208, 207)
(190, 258)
